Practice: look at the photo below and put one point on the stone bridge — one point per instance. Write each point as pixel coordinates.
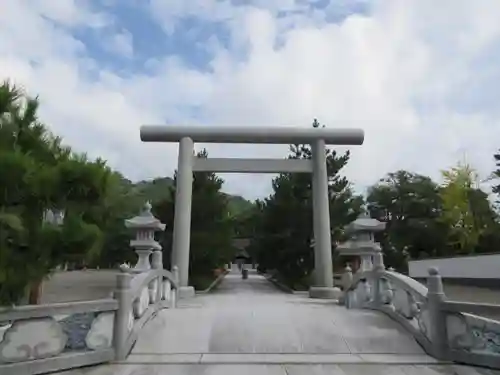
(246, 326)
(382, 322)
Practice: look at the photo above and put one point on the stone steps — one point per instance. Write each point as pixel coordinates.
(277, 358)
(281, 369)
(290, 364)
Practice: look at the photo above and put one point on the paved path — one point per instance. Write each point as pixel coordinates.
(249, 327)
(252, 316)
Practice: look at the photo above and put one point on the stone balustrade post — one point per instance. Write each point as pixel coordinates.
(437, 318)
(378, 269)
(122, 315)
(157, 263)
(346, 284)
(378, 261)
(175, 273)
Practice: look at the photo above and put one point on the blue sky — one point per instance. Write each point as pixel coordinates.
(148, 40)
(187, 36)
(420, 77)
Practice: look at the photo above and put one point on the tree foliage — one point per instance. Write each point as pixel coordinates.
(410, 205)
(425, 219)
(211, 225)
(495, 176)
(38, 173)
(284, 232)
(459, 182)
(466, 209)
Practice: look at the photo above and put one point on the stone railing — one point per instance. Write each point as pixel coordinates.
(46, 338)
(139, 297)
(447, 330)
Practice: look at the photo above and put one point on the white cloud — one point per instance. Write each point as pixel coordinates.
(68, 12)
(372, 71)
(120, 43)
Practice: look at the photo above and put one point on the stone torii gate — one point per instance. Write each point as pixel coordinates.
(188, 163)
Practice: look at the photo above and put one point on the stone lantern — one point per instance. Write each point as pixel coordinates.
(145, 225)
(54, 217)
(362, 241)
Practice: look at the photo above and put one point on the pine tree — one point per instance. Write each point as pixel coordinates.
(211, 225)
(285, 233)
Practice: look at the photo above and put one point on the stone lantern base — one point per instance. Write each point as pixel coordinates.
(324, 292)
(186, 292)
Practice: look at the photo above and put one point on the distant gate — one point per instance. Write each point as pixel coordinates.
(318, 138)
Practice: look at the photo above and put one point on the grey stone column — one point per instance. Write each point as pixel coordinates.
(317, 260)
(321, 222)
(182, 216)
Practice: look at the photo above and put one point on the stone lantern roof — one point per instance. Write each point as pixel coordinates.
(365, 223)
(145, 220)
(362, 241)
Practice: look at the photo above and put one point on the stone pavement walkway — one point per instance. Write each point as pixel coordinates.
(253, 317)
(249, 327)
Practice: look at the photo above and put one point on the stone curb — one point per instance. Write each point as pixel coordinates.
(283, 359)
(214, 284)
(279, 285)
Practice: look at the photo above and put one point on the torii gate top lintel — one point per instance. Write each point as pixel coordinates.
(240, 134)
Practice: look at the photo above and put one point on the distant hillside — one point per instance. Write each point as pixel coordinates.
(153, 190)
(157, 190)
(238, 204)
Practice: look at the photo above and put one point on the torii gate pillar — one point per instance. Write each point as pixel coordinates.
(182, 215)
(323, 271)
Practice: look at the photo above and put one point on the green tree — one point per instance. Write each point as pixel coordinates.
(496, 174)
(38, 174)
(164, 210)
(466, 209)
(27, 161)
(486, 219)
(122, 202)
(410, 205)
(485, 214)
(284, 234)
(211, 226)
